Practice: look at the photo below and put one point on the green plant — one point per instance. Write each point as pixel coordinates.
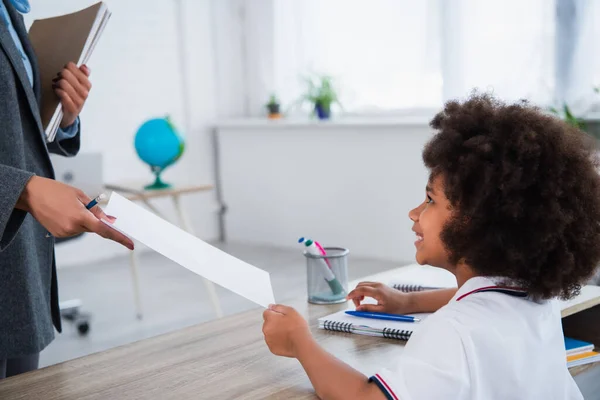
(320, 92)
(273, 107)
(568, 116)
(273, 101)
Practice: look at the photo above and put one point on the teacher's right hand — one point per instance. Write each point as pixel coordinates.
(61, 210)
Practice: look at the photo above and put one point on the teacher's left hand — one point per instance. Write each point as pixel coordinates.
(72, 86)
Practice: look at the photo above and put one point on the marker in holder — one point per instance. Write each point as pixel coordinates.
(327, 282)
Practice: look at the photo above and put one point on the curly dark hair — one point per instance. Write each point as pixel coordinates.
(524, 191)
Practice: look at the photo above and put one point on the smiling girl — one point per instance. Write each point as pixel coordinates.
(512, 209)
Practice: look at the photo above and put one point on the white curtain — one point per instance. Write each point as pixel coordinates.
(407, 54)
(383, 54)
(578, 60)
(594, 39)
(505, 47)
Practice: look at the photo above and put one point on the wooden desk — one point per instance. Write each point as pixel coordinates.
(222, 359)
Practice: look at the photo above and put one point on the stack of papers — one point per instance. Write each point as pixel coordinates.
(58, 41)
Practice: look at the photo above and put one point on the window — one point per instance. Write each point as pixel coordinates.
(579, 62)
(406, 54)
(383, 54)
(502, 46)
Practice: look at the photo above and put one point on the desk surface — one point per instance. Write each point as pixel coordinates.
(225, 358)
(221, 359)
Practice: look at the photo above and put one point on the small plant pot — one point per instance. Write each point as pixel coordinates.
(322, 112)
(274, 112)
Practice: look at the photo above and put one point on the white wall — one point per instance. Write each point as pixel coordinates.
(369, 176)
(136, 75)
(347, 184)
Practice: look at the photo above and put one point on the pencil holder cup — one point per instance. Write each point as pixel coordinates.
(327, 276)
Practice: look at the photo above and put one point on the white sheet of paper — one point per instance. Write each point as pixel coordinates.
(189, 251)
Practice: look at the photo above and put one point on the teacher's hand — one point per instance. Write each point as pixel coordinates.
(61, 210)
(72, 86)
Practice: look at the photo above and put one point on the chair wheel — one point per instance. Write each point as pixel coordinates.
(69, 315)
(83, 327)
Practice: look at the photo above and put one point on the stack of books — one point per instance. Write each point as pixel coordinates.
(580, 352)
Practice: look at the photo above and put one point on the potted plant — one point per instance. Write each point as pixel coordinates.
(568, 117)
(273, 107)
(321, 94)
(590, 126)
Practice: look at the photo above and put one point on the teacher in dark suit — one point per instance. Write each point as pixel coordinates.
(34, 208)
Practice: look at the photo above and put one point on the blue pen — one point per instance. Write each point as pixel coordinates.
(384, 316)
(95, 201)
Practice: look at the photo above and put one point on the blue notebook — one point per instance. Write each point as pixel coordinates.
(574, 346)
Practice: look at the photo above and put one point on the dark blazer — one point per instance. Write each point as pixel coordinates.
(28, 287)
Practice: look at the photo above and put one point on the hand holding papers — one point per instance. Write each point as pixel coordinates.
(58, 41)
(190, 252)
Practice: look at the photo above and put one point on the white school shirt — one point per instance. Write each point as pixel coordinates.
(486, 346)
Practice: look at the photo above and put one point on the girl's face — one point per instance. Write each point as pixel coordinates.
(429, 219)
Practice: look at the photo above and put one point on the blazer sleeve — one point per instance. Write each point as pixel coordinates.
(12, 184)
(67, 147)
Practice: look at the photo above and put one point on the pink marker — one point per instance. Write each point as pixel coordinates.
(323, 252)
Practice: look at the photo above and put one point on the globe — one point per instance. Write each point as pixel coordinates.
(159, 145)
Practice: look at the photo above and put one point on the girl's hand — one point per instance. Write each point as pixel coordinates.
(389, 300)
(284, 328)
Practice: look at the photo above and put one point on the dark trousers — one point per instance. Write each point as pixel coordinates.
(14, 366)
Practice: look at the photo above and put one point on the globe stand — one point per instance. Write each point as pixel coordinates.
(158, 183)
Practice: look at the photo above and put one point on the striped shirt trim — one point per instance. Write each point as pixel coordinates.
(516, 292)
(384, 387)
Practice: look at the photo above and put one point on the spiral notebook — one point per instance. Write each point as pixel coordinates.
(418, 278)
(342, 322)
(415, 287)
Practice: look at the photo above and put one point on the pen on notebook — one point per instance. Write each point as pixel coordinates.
(95, 201)
(384, 316)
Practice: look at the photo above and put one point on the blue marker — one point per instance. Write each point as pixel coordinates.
(383, 316)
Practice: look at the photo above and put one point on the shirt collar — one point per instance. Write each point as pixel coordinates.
(479, 282)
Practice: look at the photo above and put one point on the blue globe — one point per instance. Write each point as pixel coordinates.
(159, 145)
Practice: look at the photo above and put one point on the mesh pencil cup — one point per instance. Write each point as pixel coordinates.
(327, 276)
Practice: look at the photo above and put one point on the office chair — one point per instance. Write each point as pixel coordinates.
(70, 310)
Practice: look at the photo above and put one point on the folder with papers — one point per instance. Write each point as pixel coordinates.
(58, 41)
